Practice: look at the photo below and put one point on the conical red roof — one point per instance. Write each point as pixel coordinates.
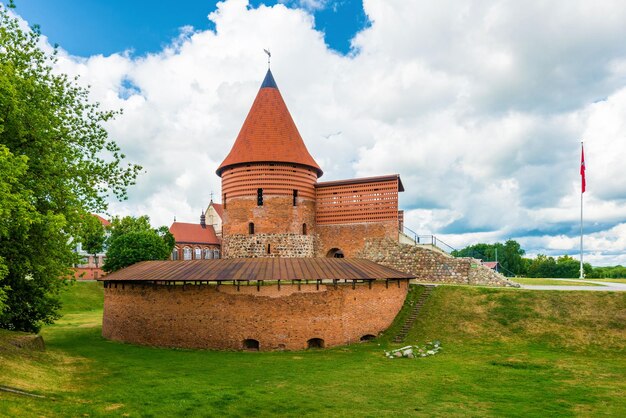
(269, 133)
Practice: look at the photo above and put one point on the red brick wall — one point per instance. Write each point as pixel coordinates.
(351, 238)
(221, 317)
(88, 273)
(345, 202)
(278, 215)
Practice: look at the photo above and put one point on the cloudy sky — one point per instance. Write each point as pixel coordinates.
(480, 106)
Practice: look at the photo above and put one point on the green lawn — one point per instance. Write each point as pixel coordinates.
(610, 280)
(506, 352)
(551, 282)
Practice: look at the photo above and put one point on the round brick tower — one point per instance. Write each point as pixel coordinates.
(268, 184)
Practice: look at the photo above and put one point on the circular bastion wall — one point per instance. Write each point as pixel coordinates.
(289, 317)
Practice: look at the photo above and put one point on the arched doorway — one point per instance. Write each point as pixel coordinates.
(250, 344)
(335, 253)
(368, 337)
(315, 343)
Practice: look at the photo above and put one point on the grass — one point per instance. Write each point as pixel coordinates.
(551, 282)
(507, 352)
(609, 280)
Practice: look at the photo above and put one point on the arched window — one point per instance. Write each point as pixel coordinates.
(216, 253)
(251, 228)
(175, 254)
(186, 253)
(250, 344)
(207, 254)
(334, 253)
(197, 253)
(303, 229)
(315, 343)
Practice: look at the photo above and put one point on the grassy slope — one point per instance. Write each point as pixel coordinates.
(506, 352)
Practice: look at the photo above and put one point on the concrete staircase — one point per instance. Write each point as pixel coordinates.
(415, 310)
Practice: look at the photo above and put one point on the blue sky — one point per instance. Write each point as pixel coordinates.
(90, 27)
(479, 106)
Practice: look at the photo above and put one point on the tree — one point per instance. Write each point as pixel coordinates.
(511, 258)
(133, 240)
(57, 166)
(509, 255)
(92, 236)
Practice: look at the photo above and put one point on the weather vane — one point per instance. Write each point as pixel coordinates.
(269, 55)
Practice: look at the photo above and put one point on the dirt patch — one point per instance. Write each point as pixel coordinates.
(29, 342)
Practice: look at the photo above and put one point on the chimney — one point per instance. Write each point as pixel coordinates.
(203, 220)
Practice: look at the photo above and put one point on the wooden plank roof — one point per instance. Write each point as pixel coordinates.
(254, 269)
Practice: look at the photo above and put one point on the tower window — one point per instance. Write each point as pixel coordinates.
(224, 201)
(269, 250)
(303, 229)
(251, 228)
(295, 197)
(259, 197)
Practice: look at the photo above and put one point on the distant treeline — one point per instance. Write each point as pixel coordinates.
(511, 260)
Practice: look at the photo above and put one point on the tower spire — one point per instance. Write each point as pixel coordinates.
(269, 134)
(269, 56)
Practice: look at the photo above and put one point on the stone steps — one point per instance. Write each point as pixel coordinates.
(415, 310)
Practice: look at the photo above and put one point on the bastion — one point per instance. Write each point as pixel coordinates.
(254, 304)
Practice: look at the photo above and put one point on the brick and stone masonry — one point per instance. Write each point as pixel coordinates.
(220, 317)
(431, 266)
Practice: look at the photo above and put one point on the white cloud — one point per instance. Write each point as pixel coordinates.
(479, 106)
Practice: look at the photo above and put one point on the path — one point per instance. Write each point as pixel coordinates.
(602, 286)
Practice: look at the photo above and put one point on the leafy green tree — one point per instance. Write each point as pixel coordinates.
(14, 206)
(542, 266)
(567, 267)
(92, 236)
(133, 240)
(512, 257)
(57, 166)
(509, 255)
(608, 272)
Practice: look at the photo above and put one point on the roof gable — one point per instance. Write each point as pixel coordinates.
(219, 209)
(193, 233)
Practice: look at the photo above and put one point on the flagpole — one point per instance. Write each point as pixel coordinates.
(582, 190)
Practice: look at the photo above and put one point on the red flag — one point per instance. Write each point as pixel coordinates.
(582, 168)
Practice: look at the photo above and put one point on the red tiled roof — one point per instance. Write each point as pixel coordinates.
(490, 264)
(219, 209)
(103, 221)
(252, 269)
(193, 233)
(269, 134)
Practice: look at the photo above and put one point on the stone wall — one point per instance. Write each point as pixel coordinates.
(256, 245)
(429, 265)
(220, 317)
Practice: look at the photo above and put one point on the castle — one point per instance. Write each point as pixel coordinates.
(285, 262)
(273, 204)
